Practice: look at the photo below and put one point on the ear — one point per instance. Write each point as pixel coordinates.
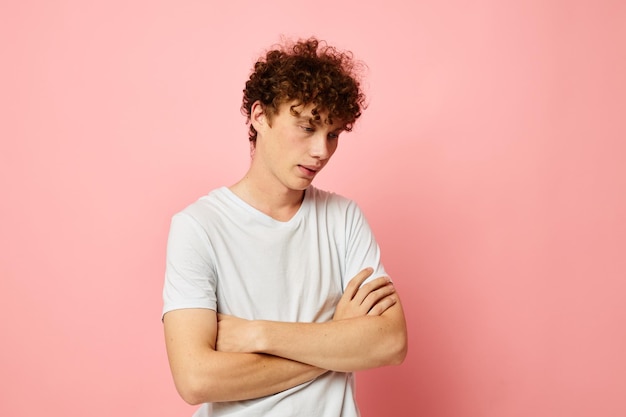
(258, 116)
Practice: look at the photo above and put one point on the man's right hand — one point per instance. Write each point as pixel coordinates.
(359, 299)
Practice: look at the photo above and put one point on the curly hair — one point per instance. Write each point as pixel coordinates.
(307, 72)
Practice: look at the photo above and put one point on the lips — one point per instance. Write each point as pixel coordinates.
(309, 170)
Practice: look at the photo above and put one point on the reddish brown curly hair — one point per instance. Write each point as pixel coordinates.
(307, 72)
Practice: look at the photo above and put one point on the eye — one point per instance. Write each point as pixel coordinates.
(333, 136)
(307, 129)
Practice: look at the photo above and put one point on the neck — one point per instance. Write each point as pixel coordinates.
(277, 202)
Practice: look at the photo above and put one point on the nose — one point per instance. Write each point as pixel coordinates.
(320, 148)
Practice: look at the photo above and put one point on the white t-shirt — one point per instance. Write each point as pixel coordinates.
(227, 256)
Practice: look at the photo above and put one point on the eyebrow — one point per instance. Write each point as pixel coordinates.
(308, 118)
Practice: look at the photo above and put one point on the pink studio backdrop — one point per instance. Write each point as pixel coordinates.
(490, 162)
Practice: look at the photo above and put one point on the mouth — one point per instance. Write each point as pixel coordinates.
(309, 170)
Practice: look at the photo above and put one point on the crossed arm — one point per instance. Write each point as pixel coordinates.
(223, 358)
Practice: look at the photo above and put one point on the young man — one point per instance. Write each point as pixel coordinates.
(275, 293)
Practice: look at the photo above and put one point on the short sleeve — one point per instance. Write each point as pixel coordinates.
(362, 250)
(190, 278)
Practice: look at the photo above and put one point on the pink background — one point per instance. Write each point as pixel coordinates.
(491, 164)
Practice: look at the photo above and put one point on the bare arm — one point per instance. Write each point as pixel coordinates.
(345, 345)
(203, 373)
(354, 340)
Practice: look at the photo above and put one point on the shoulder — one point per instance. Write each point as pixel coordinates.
(333, 202)
(214, 202)
(205, 210)
(327, 197)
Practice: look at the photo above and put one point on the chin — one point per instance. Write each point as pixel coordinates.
(300, 186)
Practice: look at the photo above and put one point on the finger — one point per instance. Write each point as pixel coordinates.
(355, 283)
(371, 286)
(375, 296)
(383, 305)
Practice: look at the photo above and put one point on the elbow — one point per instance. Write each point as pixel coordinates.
(190, 397)
(391, 353)
(190, 394)
(399, 354)
(193, 391)
(396, 349)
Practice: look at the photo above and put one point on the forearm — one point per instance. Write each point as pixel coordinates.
(342, 345)
(203, 374)
(224, 376)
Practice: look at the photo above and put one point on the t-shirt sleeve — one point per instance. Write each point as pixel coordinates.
(190, 278)
(362, 250)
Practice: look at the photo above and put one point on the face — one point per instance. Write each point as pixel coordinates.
(291, 149)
